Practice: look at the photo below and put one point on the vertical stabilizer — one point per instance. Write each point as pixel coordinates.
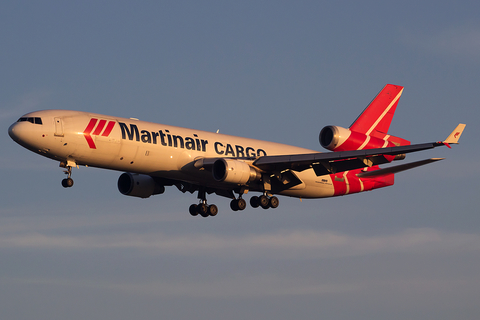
(376, 118)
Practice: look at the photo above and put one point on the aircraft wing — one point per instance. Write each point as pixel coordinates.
(333, 162)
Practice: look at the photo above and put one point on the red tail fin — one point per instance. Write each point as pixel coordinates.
(370, 128)
(376, 118)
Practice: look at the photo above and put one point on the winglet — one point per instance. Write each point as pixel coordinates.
(455, 135)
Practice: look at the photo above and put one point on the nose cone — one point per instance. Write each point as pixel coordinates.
(24, 134)
(12, 131)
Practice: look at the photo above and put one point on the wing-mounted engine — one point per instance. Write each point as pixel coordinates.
(138, 185)
(234, 171)
(336, 138)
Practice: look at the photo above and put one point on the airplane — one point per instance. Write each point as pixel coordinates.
(154, 156)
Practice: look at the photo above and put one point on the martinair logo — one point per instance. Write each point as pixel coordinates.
(98, 130)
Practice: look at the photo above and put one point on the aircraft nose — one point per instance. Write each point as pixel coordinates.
(23, 134)
(13, 131)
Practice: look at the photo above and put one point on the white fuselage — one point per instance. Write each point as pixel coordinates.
(149, 148)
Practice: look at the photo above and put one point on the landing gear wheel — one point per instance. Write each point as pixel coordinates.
(254, 202)
(193, 210)
(264, 202)
(212, 210)
(67, 183)
(234, 205)
(241, 204)
(238, 204)
(202, 209)
(274, 202)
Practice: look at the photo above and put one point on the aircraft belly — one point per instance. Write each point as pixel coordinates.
(153, 160)
(314, 187)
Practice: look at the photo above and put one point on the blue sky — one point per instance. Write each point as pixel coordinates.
(273, 70)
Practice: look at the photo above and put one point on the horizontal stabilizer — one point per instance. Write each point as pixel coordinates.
(396, 169)
(455, 135)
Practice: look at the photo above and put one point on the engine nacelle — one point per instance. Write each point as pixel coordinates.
(233, 171)
(340, 139)
(138, 185)
(332, 137)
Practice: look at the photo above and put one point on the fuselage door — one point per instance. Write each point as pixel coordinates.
(58, 127)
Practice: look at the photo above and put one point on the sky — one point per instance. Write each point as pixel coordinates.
(272, 70)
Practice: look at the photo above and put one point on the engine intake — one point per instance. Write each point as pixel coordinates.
(138, 185)
(332, 137)
(340, 139)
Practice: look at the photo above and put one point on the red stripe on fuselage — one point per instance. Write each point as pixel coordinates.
(87, 131)
(109, 129)
(339, 184)
(347, 182)
(100, 126)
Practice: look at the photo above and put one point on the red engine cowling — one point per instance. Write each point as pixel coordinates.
(340, 139)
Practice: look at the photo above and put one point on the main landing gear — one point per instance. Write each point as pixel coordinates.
(236, 205)
(202, 208)
(264, 202)
(67, 182)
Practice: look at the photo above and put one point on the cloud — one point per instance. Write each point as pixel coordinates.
(275, 264)
(284, 244)
(240, 284)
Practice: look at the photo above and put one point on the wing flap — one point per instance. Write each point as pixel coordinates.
(327, 167)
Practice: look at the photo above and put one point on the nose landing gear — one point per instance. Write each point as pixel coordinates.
(67, 182)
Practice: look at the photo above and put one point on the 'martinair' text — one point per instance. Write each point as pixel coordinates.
(190, 143)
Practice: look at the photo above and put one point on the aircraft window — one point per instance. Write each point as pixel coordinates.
(35, 120)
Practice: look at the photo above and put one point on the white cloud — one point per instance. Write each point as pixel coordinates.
(284, 244)
(409, 257)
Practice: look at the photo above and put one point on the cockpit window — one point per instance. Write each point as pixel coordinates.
(35, 120)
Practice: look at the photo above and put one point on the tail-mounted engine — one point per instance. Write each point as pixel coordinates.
(138, 185)
(340, 139)
(234, 171)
